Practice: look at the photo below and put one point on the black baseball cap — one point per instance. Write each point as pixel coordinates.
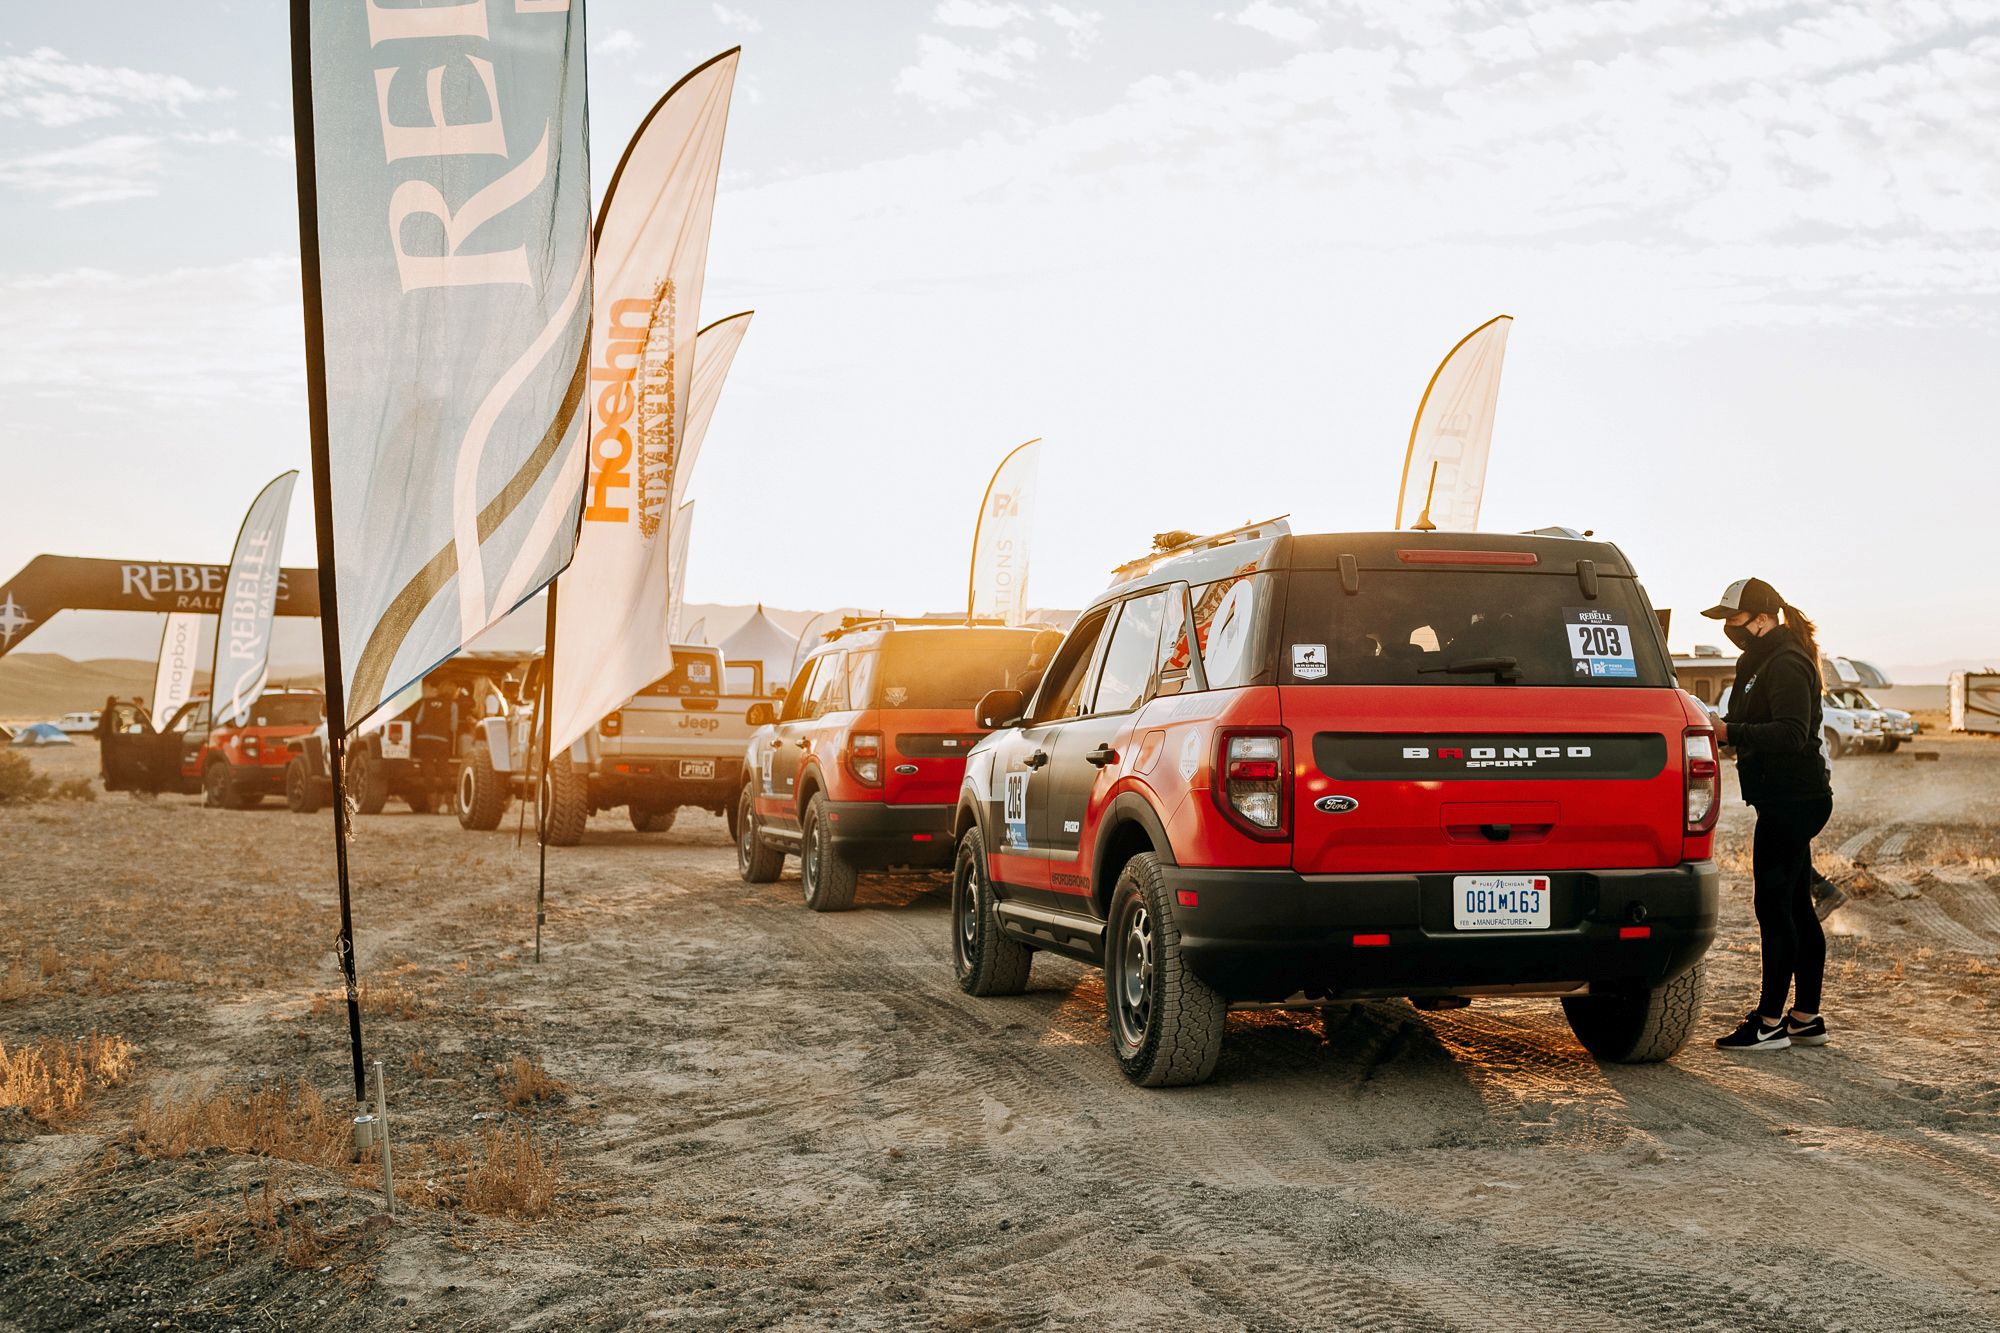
(1752, 595)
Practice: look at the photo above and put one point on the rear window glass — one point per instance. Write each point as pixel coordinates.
(740, 679)
(947, 668)
(1454, 627)
(1228, 616)
(690, 676)
(286, 710)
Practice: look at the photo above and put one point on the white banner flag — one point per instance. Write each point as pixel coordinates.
(677, 555)
(1453, 431)
(999, 582)
(714, 352)
(180, 661)
(449, 229)
(249, 601)
(652, 247)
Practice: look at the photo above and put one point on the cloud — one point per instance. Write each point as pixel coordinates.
(977, 14)
(102, 170)
(1279, 21)
(618, 42)
(1079, 26)
(736, 18)
(950, 75)
(52, 90)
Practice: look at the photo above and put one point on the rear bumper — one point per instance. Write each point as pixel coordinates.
(873, 833)
(1267, 935)
(658, 782)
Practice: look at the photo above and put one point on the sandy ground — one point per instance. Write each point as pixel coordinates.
(776, 1119)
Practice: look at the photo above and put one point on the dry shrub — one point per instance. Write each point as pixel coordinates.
(421, 1063)
(51, 961)
(524, 1081)
(285, 1225)
(513, 1177)
(52, 1079)
(75, 789)
(20, 784)
(18, 983)
(293, 1123)
(379, 999)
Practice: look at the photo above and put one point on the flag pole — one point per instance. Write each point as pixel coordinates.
(544, 781)
(316, 415)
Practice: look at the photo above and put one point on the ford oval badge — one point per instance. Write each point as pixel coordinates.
(1335, 805)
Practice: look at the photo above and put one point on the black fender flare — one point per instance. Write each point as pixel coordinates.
(1128, 807)
(811, 779)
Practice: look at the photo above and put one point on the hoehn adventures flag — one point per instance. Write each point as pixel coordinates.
(452, 191)
(652, 248)
(180, 662)
(998, 585)
(249, 603)
(1454, 430)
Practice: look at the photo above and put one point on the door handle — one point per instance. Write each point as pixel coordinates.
(1036, 760)
(1101, 756)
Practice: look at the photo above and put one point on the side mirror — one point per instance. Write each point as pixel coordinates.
(760, 715)
(1000, 708)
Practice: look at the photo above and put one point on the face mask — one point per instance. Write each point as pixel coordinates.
(1740, 635)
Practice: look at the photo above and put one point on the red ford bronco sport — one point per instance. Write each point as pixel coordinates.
(1277, 770)
(861, 769)
(233, 766)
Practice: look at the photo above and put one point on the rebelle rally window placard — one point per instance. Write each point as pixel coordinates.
(1600, 644)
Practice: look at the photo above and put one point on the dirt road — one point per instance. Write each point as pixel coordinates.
(776, 1119)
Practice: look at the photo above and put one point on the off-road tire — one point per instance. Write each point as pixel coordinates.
(566, 798)
(218, 786)
(481, 798)
(1891, 746)
(653, 818)
(1835, 746)
(1174, 1037)
(756, 860)
(826, 878)
(986, 961)
(1640, 1028)
(367, 783)
(301, 792)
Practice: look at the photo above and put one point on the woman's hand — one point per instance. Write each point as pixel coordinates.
(1721, 732)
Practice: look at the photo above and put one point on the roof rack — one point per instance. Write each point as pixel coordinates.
(1145, 564)
(860, 624)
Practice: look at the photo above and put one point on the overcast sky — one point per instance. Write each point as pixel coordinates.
(1211, 254)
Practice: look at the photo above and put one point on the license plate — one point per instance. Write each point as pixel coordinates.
(697, 768)
(1500, 902)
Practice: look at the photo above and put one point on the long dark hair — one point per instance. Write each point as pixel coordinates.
(1801, 625)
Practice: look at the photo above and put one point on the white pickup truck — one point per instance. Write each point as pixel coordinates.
(679, 741)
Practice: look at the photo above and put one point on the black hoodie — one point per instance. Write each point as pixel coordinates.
(1775, 720)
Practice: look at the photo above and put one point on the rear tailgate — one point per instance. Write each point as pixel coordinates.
(1476, 778)
(924, 751)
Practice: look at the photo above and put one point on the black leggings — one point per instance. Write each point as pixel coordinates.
(1781, 862)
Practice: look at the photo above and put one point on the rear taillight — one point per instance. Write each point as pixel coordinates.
(1704, 781)
(1253, 780)
(864, 757)
(612, 725)
(249, 747)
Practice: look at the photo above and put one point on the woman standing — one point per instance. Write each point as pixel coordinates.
(1774, 721)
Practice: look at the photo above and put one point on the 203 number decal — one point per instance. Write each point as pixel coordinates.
(1601, 640)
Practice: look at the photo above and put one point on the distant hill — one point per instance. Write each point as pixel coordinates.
(40, 687)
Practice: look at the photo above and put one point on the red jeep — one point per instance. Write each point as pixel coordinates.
(1278, 770)
(861, 770)
(233, 766)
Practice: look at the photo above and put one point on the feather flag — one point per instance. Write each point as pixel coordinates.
(1444, 469)
(249, 601)
(998, 584)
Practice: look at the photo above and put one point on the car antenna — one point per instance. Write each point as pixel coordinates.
(1423, 523)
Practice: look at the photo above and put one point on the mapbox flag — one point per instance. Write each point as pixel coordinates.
(1454, 430)
(652, 249)
(249, 603)
(451, 188)
(180, 660)
(998, 585)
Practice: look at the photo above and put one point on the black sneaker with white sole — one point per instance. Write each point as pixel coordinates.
(1806, 1034)
(1754, 1036)
(1827, 896)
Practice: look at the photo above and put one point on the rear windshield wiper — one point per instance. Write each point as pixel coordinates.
(1502, 668)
